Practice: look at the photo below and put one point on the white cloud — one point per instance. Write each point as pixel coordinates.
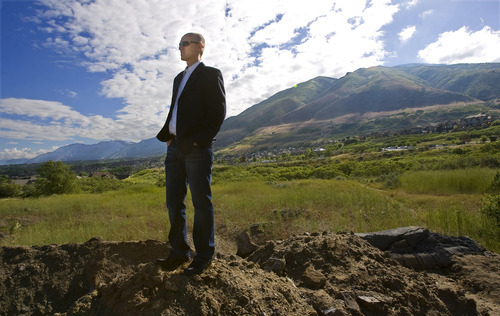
(407, 33)
(49, 120)
(463, 46)
(37, 108)
(23, 153)
(425, 14)
(412, 3)
(136, 41)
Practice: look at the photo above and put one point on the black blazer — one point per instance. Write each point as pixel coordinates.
(201, 109)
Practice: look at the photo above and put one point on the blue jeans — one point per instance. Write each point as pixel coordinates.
(194, 170)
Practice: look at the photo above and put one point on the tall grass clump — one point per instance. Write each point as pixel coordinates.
(446, 182)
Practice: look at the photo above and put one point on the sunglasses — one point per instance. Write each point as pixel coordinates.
(186, 43)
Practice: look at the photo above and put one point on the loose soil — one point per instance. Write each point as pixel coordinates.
(310, 274)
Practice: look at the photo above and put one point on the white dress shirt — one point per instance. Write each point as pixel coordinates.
(172, 127)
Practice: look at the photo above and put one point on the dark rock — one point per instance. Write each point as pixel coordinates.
(385, 239)
(275, 265)
(245, 245)
(350, 301)
(313, 279)
(417, 248)
(255, 229)
(374, 302)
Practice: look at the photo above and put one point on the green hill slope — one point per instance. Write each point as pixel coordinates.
(368, 99)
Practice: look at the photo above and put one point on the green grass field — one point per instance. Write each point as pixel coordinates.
(447, 202)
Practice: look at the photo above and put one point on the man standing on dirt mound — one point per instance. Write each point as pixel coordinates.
(196, 113)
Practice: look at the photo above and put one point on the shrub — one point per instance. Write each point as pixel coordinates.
(491, 201)
(55, 178)
(29, 190)
(491, 207)
(99, 185)
(146, 176)
(161, 181)
(495, 184)
(390, 180)
(8, 189)
(459, 151)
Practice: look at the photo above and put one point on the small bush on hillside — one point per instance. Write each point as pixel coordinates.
(491, 201)
(29, 190)
(55, 178)
(491, 207)
(100, 185)
(390, 181)
(146, 176)
(160, 180)
(8, 189)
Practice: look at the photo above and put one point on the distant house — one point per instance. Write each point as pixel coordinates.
(392, 148)
(102, 174)
(475, 120)
(446, 126)
(23, 182)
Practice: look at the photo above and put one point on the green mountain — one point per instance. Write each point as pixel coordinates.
(280, 104)
(363, 101)
(476, 80)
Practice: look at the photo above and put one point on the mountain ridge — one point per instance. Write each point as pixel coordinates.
(115, 149)
(367, 90)
(368, 99)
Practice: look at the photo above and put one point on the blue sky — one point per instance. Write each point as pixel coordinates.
(93, 70)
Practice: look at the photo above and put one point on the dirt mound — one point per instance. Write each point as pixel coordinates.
(310, 274)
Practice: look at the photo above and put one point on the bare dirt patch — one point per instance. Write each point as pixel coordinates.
(310, 274)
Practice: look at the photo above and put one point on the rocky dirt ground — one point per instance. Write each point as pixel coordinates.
(407, 271)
